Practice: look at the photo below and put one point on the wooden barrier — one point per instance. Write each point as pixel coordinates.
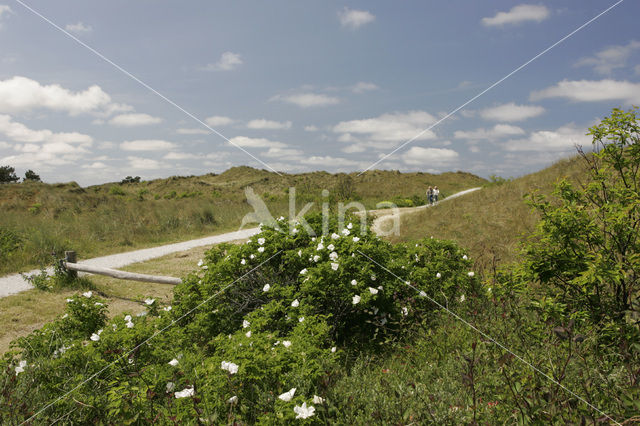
(70, 265)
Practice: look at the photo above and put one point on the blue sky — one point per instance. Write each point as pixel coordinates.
(305, 86)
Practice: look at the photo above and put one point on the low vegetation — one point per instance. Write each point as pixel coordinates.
(347, 328)
(40, 219)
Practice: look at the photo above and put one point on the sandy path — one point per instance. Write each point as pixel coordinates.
(12, 284)
(384, 215)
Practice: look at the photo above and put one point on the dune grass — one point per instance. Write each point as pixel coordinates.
(490, 223)
(40, 219)
(24, 312)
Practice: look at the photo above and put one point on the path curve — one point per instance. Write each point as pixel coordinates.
(12, 284)
(383, 215)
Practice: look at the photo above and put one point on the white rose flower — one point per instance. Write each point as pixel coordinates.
(286, 343)
(317, 399)
(356, 239)
(303, 411)
(88, 294)
(287, 396)
(295, 303)
(334, 266)
(355, 300)
(354, 282)
(174, 362)
(260, 249)
(187, 392)
(261, 241)
(373, 290)
(266, 288)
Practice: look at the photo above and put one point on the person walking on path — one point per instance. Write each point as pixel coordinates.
(436, 193)
(430, 195)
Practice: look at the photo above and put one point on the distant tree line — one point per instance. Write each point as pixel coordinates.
(8, 175)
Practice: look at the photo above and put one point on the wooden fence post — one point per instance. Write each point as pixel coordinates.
(70, 256)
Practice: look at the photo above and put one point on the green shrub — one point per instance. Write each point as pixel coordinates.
(287, 308)
(10, 242)
(116, 190)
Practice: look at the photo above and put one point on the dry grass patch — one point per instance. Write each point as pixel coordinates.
(24, 312)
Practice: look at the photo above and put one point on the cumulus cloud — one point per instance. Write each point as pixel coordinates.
(362, 87)
(429, 157)
(22, 94)
(517, 15)
(192, 131)
(78, 28)
(228, 61)
(138, 163)
(591, 91)
(385, 130)
(218, 120)
(562, 139)
(180, 156)
(354, 19)
(610, 58)
(264, 124)
(329, 162)
(310, 128)
(511, 112)
(5, 10)
(307, 100)
(18, 132)
(284, 153)
(147, 145)
(132, 120)
(497, 131)
(247, 142)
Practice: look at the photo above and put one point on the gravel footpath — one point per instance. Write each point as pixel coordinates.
(386, 214)
(12, 284)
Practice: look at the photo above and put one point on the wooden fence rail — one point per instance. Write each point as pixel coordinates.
(70, 265)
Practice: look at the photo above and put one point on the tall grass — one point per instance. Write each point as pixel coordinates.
(110, 218)
(490, 222)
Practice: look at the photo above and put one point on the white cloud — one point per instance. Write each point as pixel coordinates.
(517, 15)
(387, 129)
(310, 128)
(591, 91)
(610, 58)
(78, 28)
(218, 120)
(21, 94)
(429, 157)
(139, 163)
(307, 100)
(562, 139)
(20, 133)
(228, 61)
(354, 19)
(192, 131)
(268, 124)
(497, 131)
(329, 162)
(247, 142)
(284, 153)
(4, 145)
(95, 165)
(147, 145)
(362, 87)
(134, 119)
(511, 112)
(5, 11)
(181, 156)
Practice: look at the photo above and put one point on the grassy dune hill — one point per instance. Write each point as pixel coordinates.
(40, 219)
(491, 222)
